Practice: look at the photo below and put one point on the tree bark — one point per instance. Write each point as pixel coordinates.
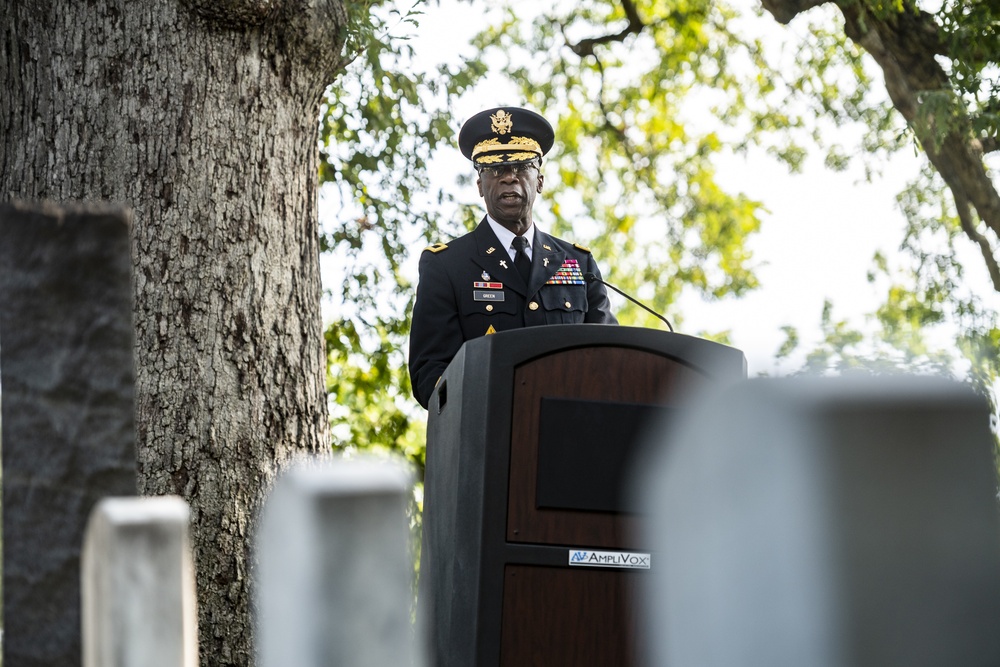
(202, 117)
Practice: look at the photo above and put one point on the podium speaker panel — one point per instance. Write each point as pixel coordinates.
(599, 381)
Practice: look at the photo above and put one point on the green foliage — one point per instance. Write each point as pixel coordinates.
(970, 32)
(380, 125)
(369, 394)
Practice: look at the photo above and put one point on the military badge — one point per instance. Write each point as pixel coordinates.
(502, 122)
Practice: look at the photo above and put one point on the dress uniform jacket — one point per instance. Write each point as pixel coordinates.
(470, 288)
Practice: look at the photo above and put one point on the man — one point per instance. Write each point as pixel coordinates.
(506, 274)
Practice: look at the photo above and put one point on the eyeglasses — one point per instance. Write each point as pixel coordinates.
(500, 170)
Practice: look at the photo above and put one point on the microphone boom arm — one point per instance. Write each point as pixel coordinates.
(592, 277)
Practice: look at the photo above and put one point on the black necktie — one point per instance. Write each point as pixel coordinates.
(521, 261)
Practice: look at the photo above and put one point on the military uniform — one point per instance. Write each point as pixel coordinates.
(470, 288)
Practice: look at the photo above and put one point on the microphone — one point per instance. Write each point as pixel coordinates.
(592, 277)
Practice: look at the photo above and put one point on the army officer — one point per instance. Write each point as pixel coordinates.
(505, 274)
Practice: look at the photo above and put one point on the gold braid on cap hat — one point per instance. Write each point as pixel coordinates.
(517, 144)
(493, 158)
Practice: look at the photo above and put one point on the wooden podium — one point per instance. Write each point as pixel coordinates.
(529, 552)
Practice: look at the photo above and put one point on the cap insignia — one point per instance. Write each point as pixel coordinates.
(502, 122)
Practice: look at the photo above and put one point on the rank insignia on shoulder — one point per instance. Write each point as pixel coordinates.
(489, 331)
(437, 247)
(580, 247)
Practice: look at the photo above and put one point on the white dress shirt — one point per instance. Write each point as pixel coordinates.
(506, 237)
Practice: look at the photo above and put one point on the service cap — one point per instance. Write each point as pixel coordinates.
(505, 135)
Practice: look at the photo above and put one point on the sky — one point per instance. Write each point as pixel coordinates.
(818, 237)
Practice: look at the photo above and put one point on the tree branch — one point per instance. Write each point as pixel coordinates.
(905, 50)
(905, 45)
(784, 11)
(969, 227)
(585, 47)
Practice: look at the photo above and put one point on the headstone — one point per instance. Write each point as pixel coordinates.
(827, 522)
(67, 411)
(137, 579)
(335, 568)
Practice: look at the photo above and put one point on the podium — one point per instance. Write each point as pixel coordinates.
(530, 554)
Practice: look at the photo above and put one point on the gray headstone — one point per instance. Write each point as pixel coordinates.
(827, 522)
(335, 569)
(67, 411)
(137, 579)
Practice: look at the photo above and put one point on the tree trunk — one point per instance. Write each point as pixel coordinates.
(203, 120)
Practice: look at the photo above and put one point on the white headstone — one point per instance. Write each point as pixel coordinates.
(827, 522)
(335, 584)
(138, 590)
